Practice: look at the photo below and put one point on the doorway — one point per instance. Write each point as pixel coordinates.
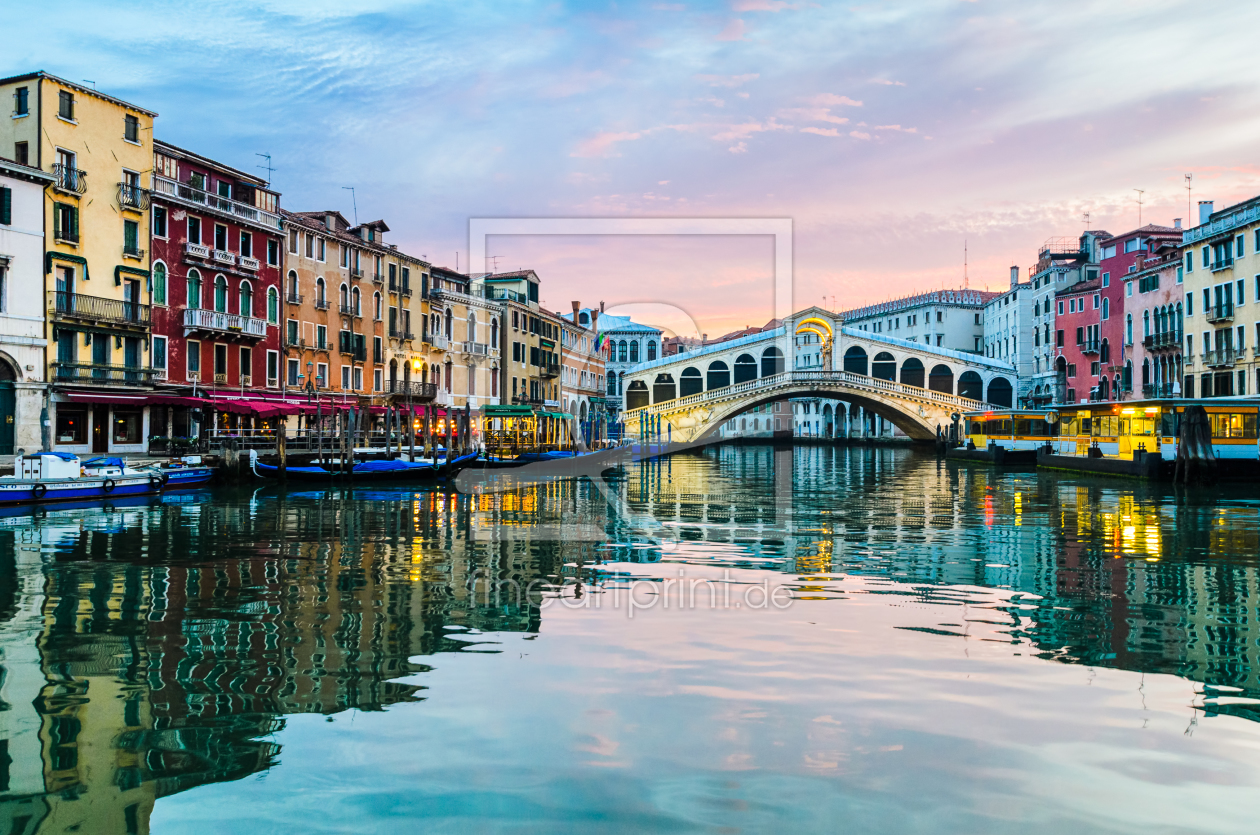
(100, 429)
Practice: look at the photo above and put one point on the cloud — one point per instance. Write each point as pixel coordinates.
(734, 31)
(603, 144)
(662, 182)
(813, 114)
(668, 7)
(821, 131)
(741, 148)
(857, 134)
(896, 127)
(747, 129)
(888, 83)
(832, 100)
(728, 80)
(763, 5)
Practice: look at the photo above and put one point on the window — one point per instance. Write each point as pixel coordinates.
(1238, 252)
(323, 249)
(1106, 309)
(310, 245)
(194, 230)
(345, 256)
(1106, 279)
(378, 349)
(246, 299)
(21, 101)
(66, 222)
(21, 153)
(247, 245)
(157, 354)
(159, 283)
(220, 363)
(1190, 261)
(194, 359)
(345, 377)
(321, 374)
(294, 372)
(194, 289)
(273, 252)
(131, 238)
(1060, 307)
(1242, 291)
(1096, 301)
(65, 108)
(220, 237)
(377, 380)
(1189, 304)
(1207, 256)
(131, 129)
(291, 332)
(220, 294)
(159, 221)
(293, 241)
(321, 336)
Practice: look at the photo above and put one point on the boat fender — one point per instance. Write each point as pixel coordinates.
(155, 482)
(39, 490)
(109, 485)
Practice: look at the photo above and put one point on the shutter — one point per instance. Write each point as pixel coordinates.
(57, 220)
(74, 222)
(6, 205)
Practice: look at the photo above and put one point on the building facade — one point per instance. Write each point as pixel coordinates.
(99, 150)
(1154, 323)
(22, 304)
(466, 350)
(942, 318)
(1008, 330)
(582, 372)
(217, 249)
(529, 348)
(1061, 264)
(626, 344)
(1221, 269)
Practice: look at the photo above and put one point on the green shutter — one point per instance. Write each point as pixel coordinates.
(56, 220)
(6, 205)
(74, 222)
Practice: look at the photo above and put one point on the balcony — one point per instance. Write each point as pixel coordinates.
(356, 272)
(63, 305)
(1162, 341)
(439, 342)
(549, 370)
(406, 289)
(422, 392)
(196, 319)
(1150, 390)
(248, 263)
(377, 278)
(478, 349)
(197, 250)
(1223, 312)
(69, 179)
(1222, 264)
(222, 256)
(132, 251)
(351, 310)
(1220, 358)
(133, 197)
(101, 374)
(393, 285)
(1089, 346)
(525, 400)
(294, 298)
(196, 198)
(321, 304)
(247, 380)
(221, 378)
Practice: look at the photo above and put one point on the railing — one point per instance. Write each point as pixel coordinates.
(1222, 264)
(101, 373)
(499, 294)
(393, 285)
(377, 278)
(65, 305)
(189, 194)
(479, 349)
(70, 179)
(212, 320)
(349, 310)
(406, 290)
(1089, 346)
(198, 250)
(294, 298)
(1222, 312)
(133, 252)
(321, 304)
(247, 262)
(407, 335)
(133, 197)
(1164, 339)
(1220, 357)
(1150, 390)
(549, 370)
(220, 378)
(417, 391)
(849, 379)
(223, 256)
(440, 342)
(247, 380)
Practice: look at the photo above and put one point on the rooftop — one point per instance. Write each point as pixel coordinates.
(343, 231)
(170, 150)
(91, 91)
(964, 297)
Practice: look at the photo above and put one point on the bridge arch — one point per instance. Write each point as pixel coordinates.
(1000, 392)
(855, 360)
(745, 368)
(664, 389)
(690, 381)
(971, 386)
(884, 366)
(941, 379)
(719, 375)
(772, 361)
(912, 373)
(917, 427)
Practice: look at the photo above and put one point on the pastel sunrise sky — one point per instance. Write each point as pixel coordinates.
(890, 132)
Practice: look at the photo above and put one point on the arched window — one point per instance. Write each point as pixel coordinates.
(855, 361)
(158, 294)
(246, 300)
(1146, 371)
(356, 302)
(690, 382)
(663, 388)
(293, 286)
(912, 373)
(971, 386)
(612, 382)
(472, 326)
(651, 349)
(494, 332)
(376, 307)
(745, 368)
(772, 361)
(1146, 323)
(344, 298)
(621, 352)
(999, 391)
(1128, 329)
(636, 395)
(584, 318)
(719, 376)
(220, 294)
(941, 379)
(884, 366)
(450, 324)
(321, 291)
(1104, 352)
(1106, 308)
(194, 289)
(273, 306)
(634, 350)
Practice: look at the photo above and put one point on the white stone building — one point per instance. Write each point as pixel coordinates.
(1008, 331)
(1061, 263)
(940, 318)
(22, 307)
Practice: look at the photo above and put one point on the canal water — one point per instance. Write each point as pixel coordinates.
(742, 639)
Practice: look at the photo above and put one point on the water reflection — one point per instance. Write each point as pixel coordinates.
(153, 648)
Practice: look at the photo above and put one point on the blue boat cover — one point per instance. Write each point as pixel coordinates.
(102, 461)
(389, 466)
(64, 456)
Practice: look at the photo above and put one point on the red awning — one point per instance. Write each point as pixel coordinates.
(134, 399)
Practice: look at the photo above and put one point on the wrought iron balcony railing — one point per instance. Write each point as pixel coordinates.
(351, 310)
(101, 373)
(1220, 357)
(294, 298)
(65, 305)
(70, 179)
(133, 197)
(191, 195)
(1220, 312)
(321, 304)
(211, 320)
(417, 391)
(1222, 264)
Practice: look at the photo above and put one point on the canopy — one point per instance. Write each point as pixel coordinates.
(507, 411)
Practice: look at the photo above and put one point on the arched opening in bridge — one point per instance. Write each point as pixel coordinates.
(664, 389)
(745, 368)
(971, 386)
(690, 382)
(941, 379)
(719, 375)
(636, 395)
(884, 367)
(771, 361)
(828, 420)
(1000, 392)
(855, 361)
(912, 373)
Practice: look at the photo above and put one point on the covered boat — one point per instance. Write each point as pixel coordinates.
(61, 477)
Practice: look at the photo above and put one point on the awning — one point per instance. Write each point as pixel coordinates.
(137, 400)
(506, 411)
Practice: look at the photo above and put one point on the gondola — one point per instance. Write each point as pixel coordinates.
(396, 470)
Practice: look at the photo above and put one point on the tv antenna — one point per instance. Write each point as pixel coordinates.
(966, 280)
(495, 259)
(1139, 202)
(354, 202)
(1086, 219)
(1189, 191)
(268, 168)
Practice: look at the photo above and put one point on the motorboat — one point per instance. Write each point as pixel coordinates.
(376, 470)
(184, 473)
(61, 477)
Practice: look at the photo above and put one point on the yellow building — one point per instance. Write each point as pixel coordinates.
(100, 151)
(462, 342)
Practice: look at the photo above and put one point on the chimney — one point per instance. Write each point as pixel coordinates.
(330, 220)
(1176, 223)
(1205, 211)
(601, 307)
(595, 318)
(1014, 277)
(576, 307)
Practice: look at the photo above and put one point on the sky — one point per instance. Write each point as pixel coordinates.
(892, 134)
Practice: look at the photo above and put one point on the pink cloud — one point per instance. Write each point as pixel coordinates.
(763, 5)
(603, 144)
(747, 129)
(888, 83)
(896, 127)
(813, 114)
(741, 148)
(857, 134)
(821, 131)
(832, 100)
(728, 80)
(734, 31)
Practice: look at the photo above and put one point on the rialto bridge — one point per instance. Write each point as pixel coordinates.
(914, 386)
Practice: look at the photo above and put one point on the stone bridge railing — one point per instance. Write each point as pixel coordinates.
(849, 380)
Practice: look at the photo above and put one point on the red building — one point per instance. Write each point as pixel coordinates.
(1090, 317)
(217, 260)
